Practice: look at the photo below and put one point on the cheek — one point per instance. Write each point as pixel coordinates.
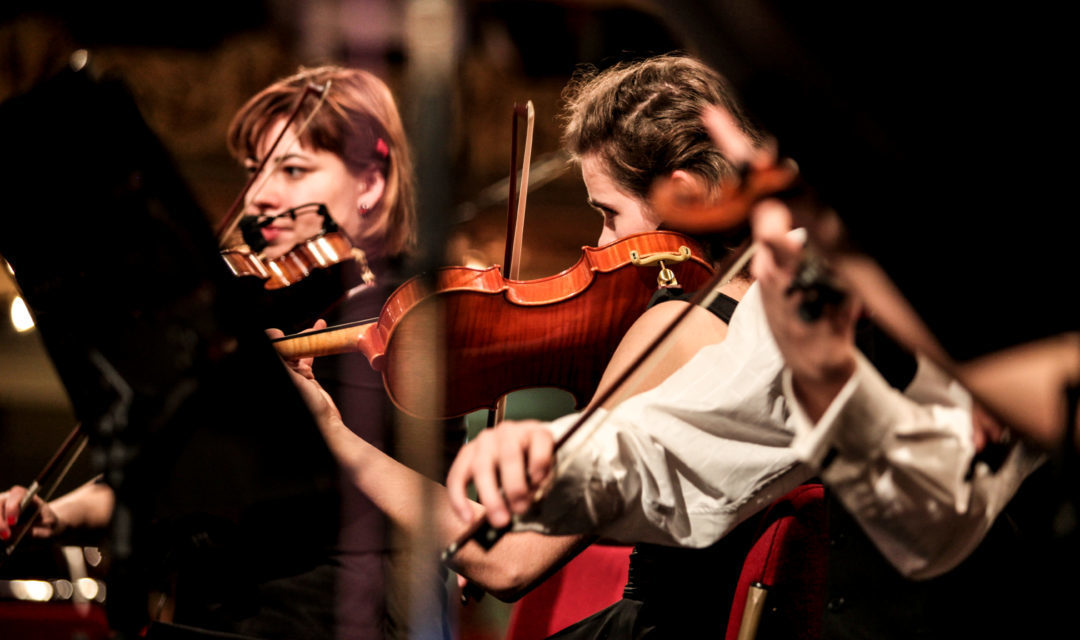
(636, 224)
(607, 236)
(348, 218)
(342, 204)
(308, 226)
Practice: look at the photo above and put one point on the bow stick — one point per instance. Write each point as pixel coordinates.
(44, 485)
(515, 215)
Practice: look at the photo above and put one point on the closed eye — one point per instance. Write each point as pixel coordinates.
(607, 212)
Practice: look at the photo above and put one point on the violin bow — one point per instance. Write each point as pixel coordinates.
(515, 215)
(44, 485)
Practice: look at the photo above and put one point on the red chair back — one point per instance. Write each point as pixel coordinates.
(790, 557)
(590, 582)
(52, 621)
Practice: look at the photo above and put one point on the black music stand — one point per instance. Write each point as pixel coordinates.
(192, 418)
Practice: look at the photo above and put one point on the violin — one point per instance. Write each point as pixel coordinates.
(328, 247)
(502, 335)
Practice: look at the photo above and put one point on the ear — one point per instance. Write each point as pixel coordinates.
(369, 191)
(689, 186)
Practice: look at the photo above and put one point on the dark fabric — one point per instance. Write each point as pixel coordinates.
(873, 101)
(340, 587)
(994, 593)
(722, 307)
(1003, 590)
(623, 620)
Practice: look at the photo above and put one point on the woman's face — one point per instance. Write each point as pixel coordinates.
(624, 214)
(297, 175)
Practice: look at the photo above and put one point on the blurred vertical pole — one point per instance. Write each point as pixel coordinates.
(431, 36)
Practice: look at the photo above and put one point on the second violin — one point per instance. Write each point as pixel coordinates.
(506, 334)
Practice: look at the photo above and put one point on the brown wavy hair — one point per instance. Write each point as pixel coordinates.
(358, 112)
(643, 118)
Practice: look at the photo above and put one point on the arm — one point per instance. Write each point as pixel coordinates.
(523, 451)
(898, 462)
(905, 467)
(88, 507)
(412, 501)
(521, 559)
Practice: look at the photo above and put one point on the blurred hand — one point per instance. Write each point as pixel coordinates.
(821, 353)
(986, 429)
(46, 525)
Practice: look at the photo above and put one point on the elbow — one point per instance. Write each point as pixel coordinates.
(502, 580)
(508, 584)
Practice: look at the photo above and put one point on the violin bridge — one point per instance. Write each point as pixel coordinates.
(666, 277)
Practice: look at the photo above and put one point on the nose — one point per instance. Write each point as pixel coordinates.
(265, 196)
(607, 236)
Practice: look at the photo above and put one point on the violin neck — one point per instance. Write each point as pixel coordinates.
(330, 341)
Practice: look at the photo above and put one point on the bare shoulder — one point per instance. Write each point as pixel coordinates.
(698, 329)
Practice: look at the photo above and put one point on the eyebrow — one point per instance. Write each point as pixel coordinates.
(599, 205)
(278, 160)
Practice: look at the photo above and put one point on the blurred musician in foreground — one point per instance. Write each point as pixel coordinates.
(781, 399)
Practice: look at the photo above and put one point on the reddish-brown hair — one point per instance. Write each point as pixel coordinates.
(358, 113)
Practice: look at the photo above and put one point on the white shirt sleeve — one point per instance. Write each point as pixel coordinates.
(902, 463)
(687, 461)
(724, 437)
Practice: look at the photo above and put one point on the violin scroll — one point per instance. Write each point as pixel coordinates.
(684, 207)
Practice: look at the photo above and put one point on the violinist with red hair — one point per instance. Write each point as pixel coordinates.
(343, 163)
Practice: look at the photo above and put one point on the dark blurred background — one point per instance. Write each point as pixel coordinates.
(929, 131)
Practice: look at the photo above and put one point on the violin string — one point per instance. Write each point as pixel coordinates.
(304, 334)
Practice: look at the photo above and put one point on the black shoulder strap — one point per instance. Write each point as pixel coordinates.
(722, 307)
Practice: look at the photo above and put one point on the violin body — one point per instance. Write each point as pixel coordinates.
(500, 335)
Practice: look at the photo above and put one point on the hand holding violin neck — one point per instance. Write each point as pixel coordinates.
(817, 286)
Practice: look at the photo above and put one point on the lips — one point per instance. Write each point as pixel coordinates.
(272, 233)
